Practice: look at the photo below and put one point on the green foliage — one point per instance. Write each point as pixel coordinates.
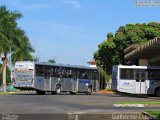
(13, 37)
(51, 61)
(35, 59)
(111, 51)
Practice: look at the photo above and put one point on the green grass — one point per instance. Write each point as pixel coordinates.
(108, 89)
(139, 102)
(3, 93)
(153, 113)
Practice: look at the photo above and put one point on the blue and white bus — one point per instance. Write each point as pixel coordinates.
(136, 79)
(55, 78)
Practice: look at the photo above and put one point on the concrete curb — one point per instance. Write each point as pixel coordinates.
(128, 105)
(135, 105)
(16, 92)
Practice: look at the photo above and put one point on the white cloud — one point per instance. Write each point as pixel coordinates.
(74, 3)
(37, 6)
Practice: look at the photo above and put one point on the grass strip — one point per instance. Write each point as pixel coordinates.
(139, 102)
(153, 113)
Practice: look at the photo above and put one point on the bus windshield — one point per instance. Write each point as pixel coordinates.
(153, 74)
(23, 75)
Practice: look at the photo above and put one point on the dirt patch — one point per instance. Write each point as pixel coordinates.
(105, 92)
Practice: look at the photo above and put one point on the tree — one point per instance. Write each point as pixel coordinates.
(35, 59)
(8, 27)
(51, 61)
(24, 49)
(111, 51)
(12, 37)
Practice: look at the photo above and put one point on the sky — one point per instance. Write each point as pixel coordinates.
(69, 31)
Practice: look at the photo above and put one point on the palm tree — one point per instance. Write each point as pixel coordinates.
(12, 37)
(24, 49)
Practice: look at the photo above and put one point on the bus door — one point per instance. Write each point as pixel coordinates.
(140, 76)
(74, 84)
(47, 81)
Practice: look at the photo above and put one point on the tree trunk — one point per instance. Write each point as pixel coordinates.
(3, 68)
(4, 77)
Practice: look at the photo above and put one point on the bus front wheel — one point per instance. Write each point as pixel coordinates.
(89, 90)
(40, 92)
(157, 92)
(58, 89)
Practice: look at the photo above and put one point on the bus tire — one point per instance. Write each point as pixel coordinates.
(89, 90)
(40, 92)
(58, 89)
(72, 93)
(53, 92)
(157, 92)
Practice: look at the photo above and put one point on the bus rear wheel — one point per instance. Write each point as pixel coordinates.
(89, 90)
(157, 92)
(53, 92)
(58, 89)
(40, 92)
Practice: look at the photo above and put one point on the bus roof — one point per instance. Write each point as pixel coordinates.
(53, 64)
(138, 67)
(63, 65)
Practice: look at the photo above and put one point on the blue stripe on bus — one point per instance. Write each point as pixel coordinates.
(85, 81)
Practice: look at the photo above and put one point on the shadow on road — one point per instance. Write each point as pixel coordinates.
(135, 95)
(48, 93)
(114, 95)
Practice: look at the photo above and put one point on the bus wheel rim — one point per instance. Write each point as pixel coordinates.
(58, 90)
(89, 90)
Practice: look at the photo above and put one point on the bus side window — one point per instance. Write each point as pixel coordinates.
(95, 75)
(63, 72)
(137, 77)
(59, 72)
(83, 74)
(40, 70)
(47, 72)
(143, 77)
(74, 73)
(153, 74)
(53, 71)
(127, 74)
(90, 74)
(80, 74)
(70, 73)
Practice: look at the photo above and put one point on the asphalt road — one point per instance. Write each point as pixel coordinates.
(30, 103)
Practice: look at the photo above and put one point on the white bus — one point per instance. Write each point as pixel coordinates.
(136, 79)
(55, 78)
